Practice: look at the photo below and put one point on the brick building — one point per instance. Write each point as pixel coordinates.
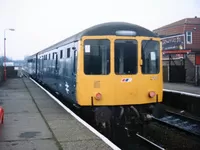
(188, 28)
(181, 40)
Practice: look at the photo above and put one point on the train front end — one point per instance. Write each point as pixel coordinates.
(119, 74)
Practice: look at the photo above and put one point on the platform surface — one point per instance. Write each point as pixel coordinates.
(182, 88)
(34, 121)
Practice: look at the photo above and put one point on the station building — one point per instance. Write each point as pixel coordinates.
(181, 50)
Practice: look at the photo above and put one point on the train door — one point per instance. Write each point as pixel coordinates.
(71, 79)
(39, 67)
(97, 77)
(42, 68)
(67, 72)
(73, 82)
(151, 70)
(56, 65)
(69, 75)
(125, 70)
(56, 71)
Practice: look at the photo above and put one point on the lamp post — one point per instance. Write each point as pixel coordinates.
(5, 51)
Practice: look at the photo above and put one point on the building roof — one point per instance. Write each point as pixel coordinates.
(195, 20)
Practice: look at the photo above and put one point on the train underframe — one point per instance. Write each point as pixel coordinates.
(130, 117)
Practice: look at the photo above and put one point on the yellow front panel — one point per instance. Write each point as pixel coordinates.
(114, 91)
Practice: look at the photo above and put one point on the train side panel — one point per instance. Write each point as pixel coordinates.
(57, 69)
(29, 66)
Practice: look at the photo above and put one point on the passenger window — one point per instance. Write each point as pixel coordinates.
(126, 57)
(97, 57)
(56, 57)
(61, 54)
(68, 52)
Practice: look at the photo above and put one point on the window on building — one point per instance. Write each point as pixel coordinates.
(49, 56)
(189, 37)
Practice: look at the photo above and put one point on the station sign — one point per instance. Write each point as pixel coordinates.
(176, 42)
(8, 63)
(173, 45)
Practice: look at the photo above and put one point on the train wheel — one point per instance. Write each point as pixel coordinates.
(105, 129)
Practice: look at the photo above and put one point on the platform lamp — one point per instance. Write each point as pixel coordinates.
(5, 51)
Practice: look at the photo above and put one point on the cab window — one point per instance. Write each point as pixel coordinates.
(125, 57)
(97, 57)
(150, 57)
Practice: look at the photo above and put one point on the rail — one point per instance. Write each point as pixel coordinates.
(184, 123)
(149, 143)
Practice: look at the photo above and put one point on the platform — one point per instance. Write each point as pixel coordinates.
(34, 121)
(182, 88)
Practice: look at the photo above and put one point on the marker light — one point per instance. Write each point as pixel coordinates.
(98, 96)
(152, 94)
(126, 33)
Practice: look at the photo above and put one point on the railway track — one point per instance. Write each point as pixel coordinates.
(150, 144)
(180, 122)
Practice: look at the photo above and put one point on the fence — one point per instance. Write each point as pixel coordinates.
(10, 72)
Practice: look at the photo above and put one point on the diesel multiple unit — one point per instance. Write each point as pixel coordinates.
(114, 69)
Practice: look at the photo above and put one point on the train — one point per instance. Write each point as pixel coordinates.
(113, 69)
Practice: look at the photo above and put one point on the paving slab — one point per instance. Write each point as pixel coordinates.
(69, 132)
(85, 145)
(24, 106)
(33, 120)
(18, 95)
(182, 87)
(13, 84)
(23, 128)
(29, 145)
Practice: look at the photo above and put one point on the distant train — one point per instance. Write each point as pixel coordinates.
(113, 68)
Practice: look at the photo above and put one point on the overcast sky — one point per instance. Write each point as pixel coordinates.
(41, 23)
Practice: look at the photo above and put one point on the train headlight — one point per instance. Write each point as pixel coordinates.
(125, 33)
(98, 96)
(152, 94)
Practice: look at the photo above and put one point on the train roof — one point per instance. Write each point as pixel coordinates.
(103, 29)
(111, 28)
